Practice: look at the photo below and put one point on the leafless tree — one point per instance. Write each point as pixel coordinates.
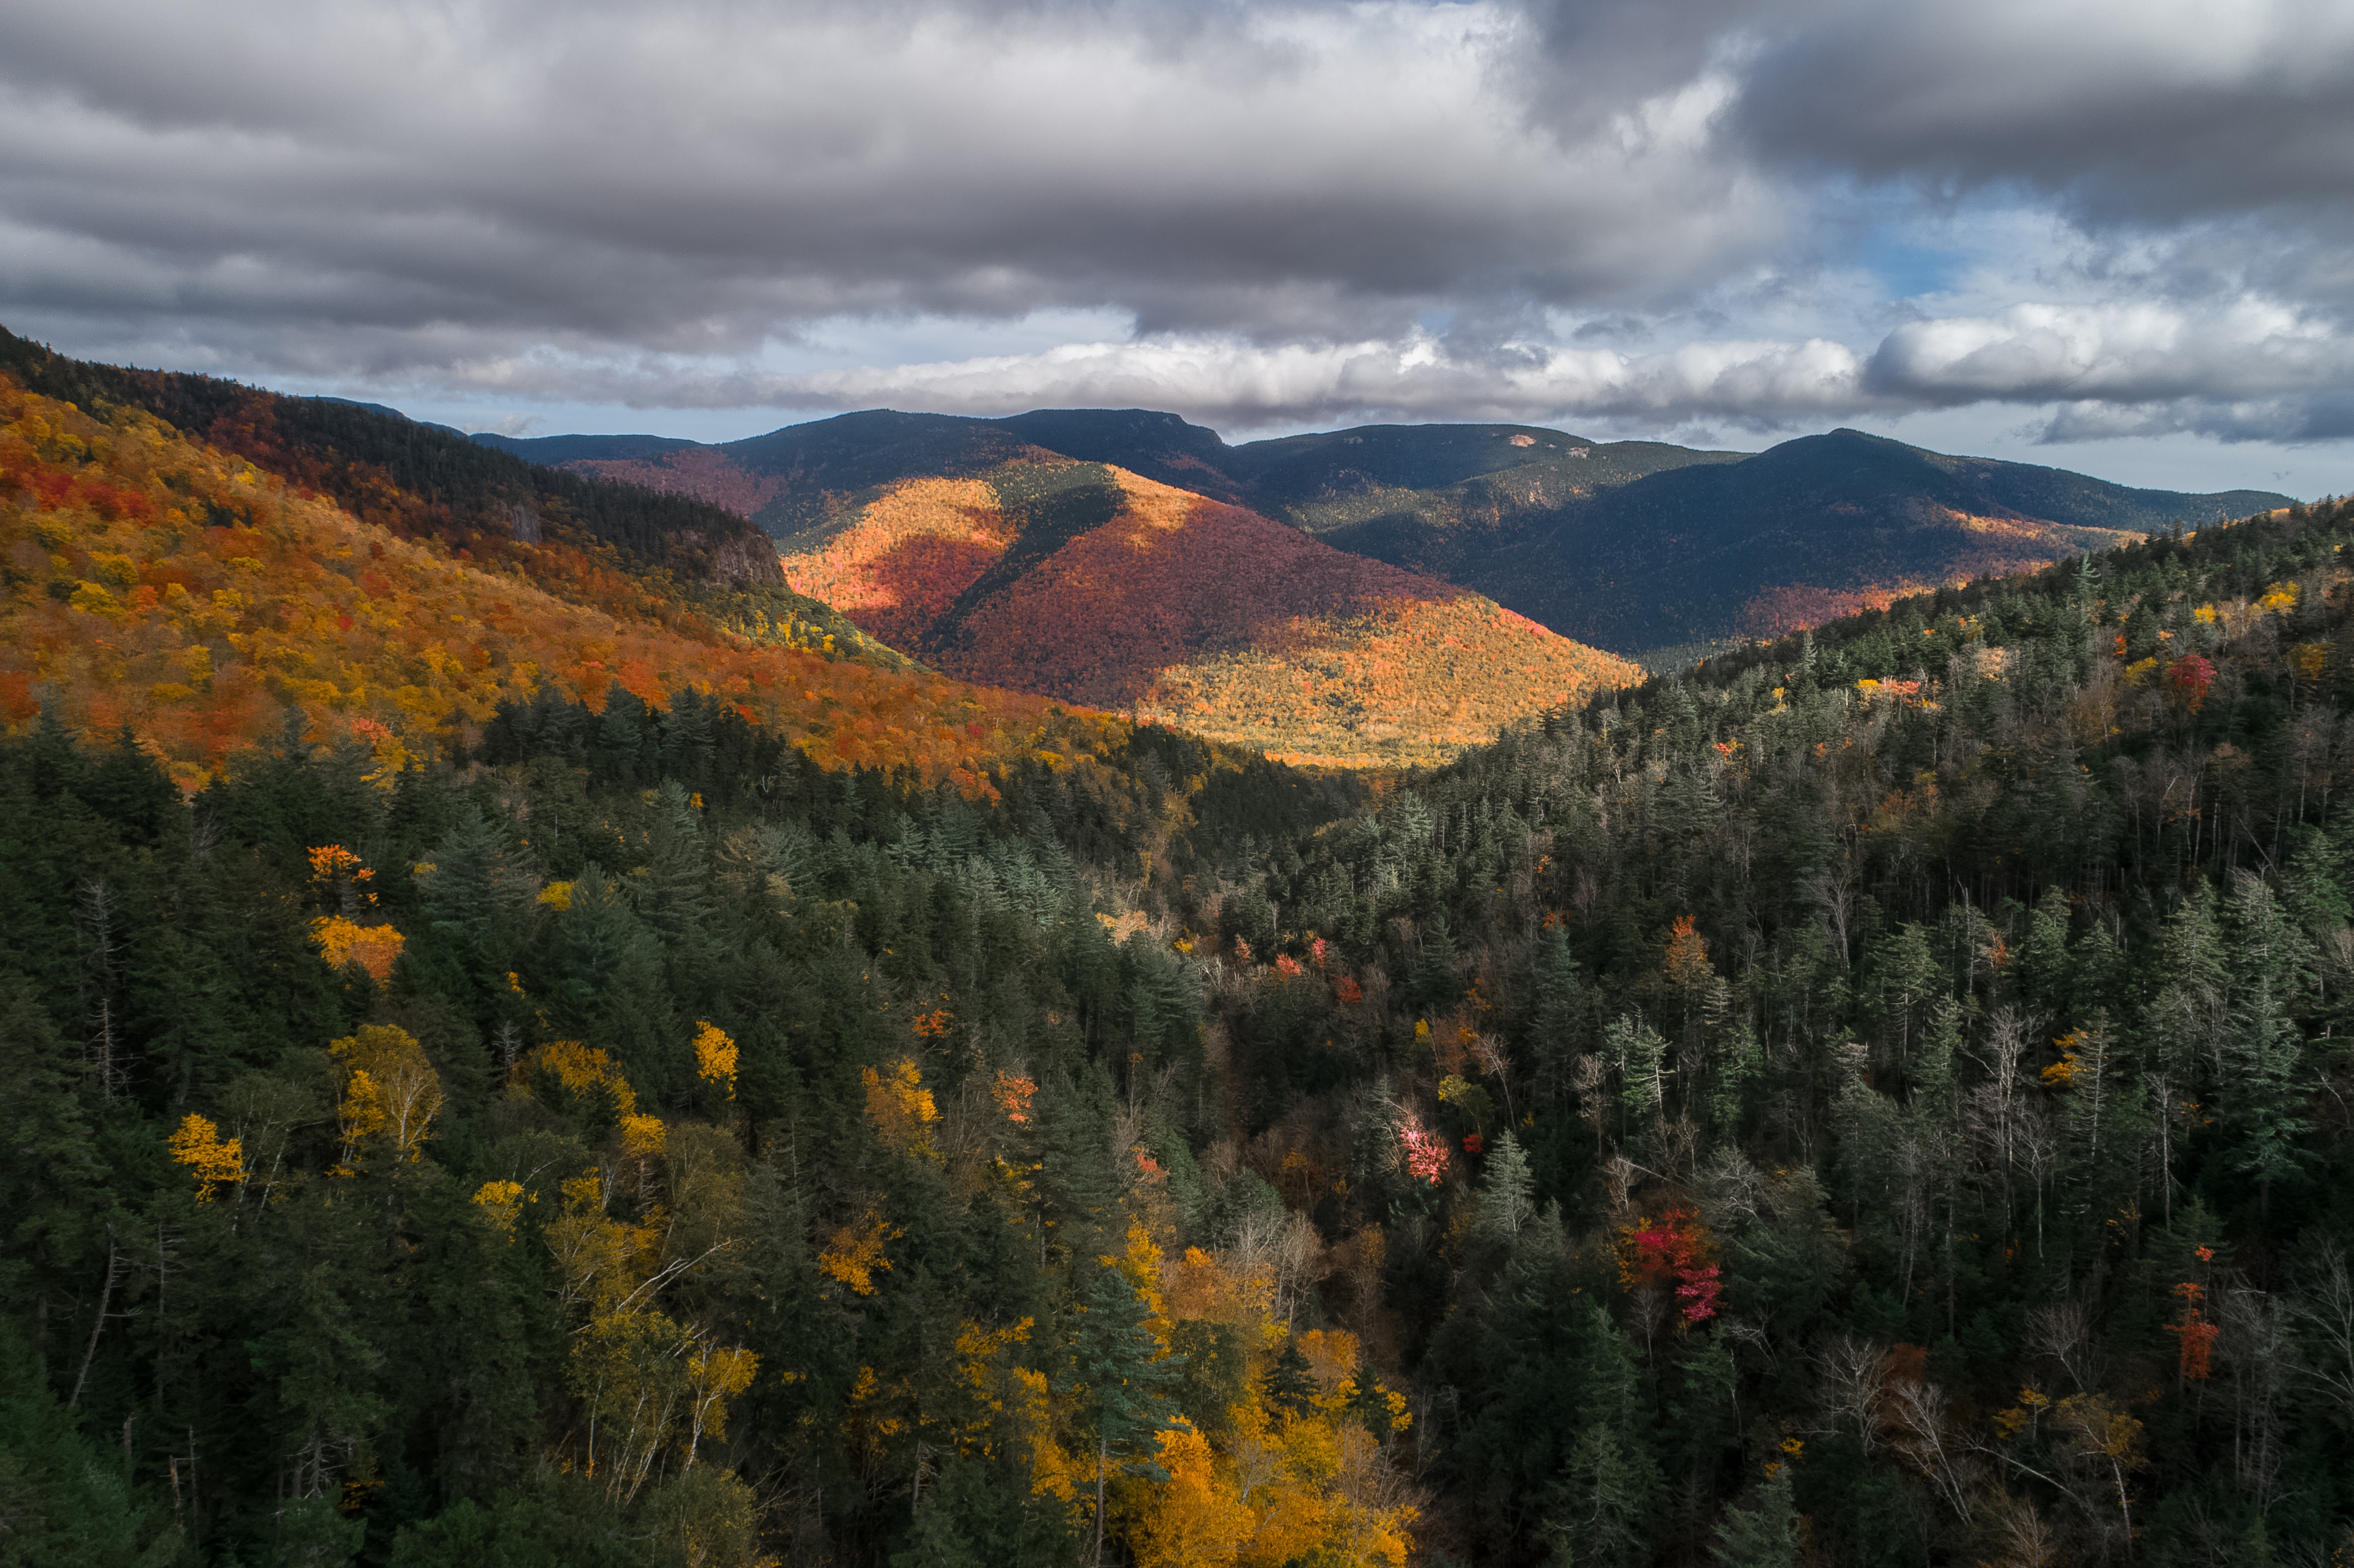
(2063, 1332)
(2323, 1308)
(1851, 1376)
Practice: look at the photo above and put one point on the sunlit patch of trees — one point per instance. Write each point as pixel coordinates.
(1197, 614)
(167, 588)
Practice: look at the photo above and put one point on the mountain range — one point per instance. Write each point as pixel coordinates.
(1108, 559)
(1631, 546)
(388, 578)
(1093, 583)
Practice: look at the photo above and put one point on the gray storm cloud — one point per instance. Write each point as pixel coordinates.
(1307, 212)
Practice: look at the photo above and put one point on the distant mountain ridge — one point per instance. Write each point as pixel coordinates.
(1089, 582)
(1628, 546)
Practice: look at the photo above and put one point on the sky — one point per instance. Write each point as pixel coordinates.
(2110, 236)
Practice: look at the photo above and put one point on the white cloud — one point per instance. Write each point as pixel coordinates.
(1259, 215)
(2149, 350)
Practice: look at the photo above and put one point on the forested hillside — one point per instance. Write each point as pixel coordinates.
(203, 603)
(1873, 1099)
(647, 553)
(1085, 582)
(1643, 549)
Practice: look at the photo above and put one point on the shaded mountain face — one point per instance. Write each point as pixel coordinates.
(1089, 582)
(1632, 545)
(1813, 529)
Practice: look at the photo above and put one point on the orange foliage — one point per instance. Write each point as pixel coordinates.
(1206, 615)
(2194, 1336)
(1687, 960)
(897, 568)
(374, 947)
(176, 589)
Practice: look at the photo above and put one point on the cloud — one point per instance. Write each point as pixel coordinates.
(690, 179)
(1260, 215)
(2249, 370)
(1233, 382)
(2145, 109)
(2253, 369)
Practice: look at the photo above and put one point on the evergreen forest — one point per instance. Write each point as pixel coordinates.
(1870, 1098)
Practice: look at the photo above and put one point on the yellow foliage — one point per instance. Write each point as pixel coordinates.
(1055, 1471)
(198, 1144)
(630, 1370)
(1316, 1486)
(557, 896)
(1142, 1265)
(1198, 1287)
(1196, 1519)
(641, 1135)
(1332, 1355)
(595, 1254)
(714, 1056)
(501, 1201)
(715, 1378)
(900, 1106)
(374, 947)
(578, 1070)
(852, 1253)
(390, 1090)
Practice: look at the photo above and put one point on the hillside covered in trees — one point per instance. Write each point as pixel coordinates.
(1640, 547)
(1087, 582)
(200, 601)
(1874, 1097)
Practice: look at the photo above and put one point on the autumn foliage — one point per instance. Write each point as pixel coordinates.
(198, 600)
(1203, 615)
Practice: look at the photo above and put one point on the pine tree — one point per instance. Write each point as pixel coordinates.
(1434, 984)
(1289, 1383)
(1607, 1494)
(1765, 1536)
(1121, 1379)
(1507, 1190)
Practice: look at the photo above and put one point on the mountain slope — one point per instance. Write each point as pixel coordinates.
(672, 560)
(1811, 529)
(1630, 544)
(177, 592)
(1103, 586)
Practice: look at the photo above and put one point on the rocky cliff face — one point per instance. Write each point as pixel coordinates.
(751, 558)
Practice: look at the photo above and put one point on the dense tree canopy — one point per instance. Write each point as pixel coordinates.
(1874, 1098)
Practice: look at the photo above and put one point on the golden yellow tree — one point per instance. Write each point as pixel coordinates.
(900, 1106)
(196, 1143)
(1197, 1518)
(390, 1091)
(715, 1057)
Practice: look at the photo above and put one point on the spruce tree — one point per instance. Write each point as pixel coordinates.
(1289, 1383)
(1121, 1379)
(1765, 1536)
(1507, 1190)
